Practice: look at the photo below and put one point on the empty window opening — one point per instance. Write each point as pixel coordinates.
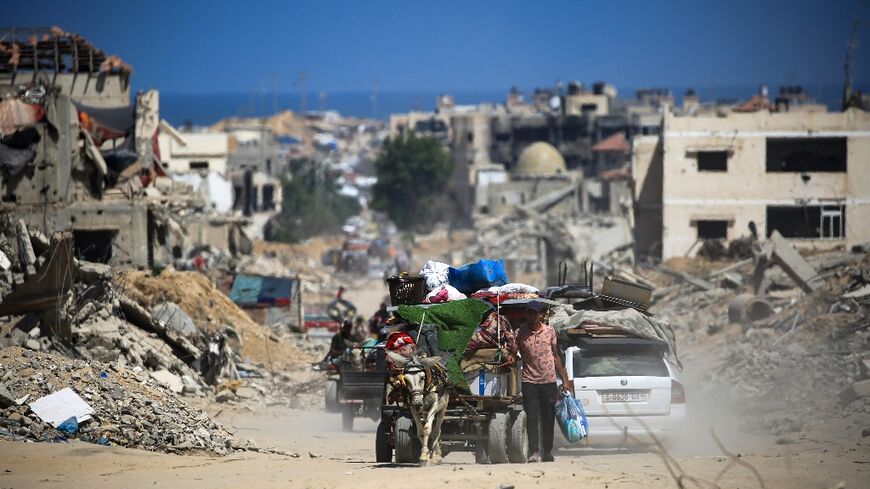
(712, 161)
(268, 197)
(713, 229)
(588, 108)
(808, 222)
(95, 246)
(806, 155)
(199, 165)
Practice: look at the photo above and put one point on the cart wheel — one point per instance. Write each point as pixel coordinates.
(347, 417)
(480, 455)
(497, 438)
(383, 450)
(331, 396)
(518, 443)
(407, 444)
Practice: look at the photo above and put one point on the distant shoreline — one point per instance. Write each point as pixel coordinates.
(206, 109)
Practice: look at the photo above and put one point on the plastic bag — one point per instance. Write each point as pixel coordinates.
(472, 277)
(571, 418)
(435, 274)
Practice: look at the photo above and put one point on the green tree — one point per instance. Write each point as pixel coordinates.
(311, 205)
(413, 173)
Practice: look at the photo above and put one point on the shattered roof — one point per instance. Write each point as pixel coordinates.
(54, 50)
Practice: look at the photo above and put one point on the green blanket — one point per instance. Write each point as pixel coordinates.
(455, 322)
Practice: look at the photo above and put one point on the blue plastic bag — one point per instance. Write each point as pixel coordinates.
(70, 426)
(571, 418)
(471, 277)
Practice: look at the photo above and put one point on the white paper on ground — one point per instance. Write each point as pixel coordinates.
(56, 408)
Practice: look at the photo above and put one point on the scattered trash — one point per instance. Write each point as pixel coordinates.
(58, 407)
(70, 426)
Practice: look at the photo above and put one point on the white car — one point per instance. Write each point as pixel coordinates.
(625, 383)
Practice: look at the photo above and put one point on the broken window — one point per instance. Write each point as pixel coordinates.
(588, 108)
(95, 246)
(712, 229)
(268, 197)
(712, 161)
(808, 222)
(199, 165)
(806, 155)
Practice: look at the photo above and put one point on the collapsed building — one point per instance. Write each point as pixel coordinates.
(77, 155)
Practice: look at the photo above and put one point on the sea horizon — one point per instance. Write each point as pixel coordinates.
(182, 109)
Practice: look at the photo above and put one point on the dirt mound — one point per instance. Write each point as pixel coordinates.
(130, 409)
(211, 311)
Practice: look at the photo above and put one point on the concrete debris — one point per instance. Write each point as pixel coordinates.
(6, 398)
(168, 379)
(748, 308)
(855, 391)
(786, 256)
(806, 351)
(129, 409)
(26, 256)
(858, 293)
(174, 318)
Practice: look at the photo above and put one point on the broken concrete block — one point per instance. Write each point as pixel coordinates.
(787, 257)
(858, 293)
(864, 368)
(170, 380)
(4, 261)
(732, 280)
(6, 397)
(90, 272)
(855, 391)
(173, 317)
(26, 256)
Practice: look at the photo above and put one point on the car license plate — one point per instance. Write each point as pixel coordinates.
(625, 396)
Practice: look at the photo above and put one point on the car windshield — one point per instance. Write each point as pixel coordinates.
(607, 364)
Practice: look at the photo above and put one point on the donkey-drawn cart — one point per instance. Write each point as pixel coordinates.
(493, 428)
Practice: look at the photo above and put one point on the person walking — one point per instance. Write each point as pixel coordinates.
(541, 363)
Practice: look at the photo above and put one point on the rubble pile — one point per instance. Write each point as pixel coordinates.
(788, 356)
(211, 311)
(129, 408)
(518, 238)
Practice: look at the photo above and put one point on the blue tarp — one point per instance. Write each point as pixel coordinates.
(251, 290)
(246, 289)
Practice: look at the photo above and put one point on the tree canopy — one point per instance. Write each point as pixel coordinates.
(311, 205)
(412, 173)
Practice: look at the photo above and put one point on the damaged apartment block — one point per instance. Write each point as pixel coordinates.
(76, 155)
(730, 175)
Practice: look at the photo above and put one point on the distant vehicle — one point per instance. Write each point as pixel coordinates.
(623, 382)
(318, 323)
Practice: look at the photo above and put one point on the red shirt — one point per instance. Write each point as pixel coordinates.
(536, 350)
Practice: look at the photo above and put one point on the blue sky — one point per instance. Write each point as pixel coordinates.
(235, 47)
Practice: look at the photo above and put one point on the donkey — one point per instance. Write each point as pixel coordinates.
(426, 388)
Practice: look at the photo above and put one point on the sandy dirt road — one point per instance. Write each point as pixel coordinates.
(330, 458)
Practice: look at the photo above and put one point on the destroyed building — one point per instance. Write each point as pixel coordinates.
(75, 151)
(801, 173)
